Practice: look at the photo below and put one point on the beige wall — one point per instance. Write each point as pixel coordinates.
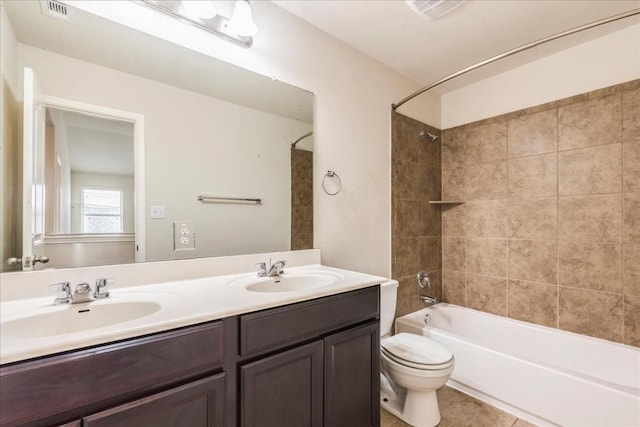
(612, 58)
(550, 231)
(416, 224)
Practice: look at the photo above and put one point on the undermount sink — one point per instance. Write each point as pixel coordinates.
(287, 282)
(72, 318)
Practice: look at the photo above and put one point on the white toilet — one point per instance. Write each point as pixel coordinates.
(417, 364)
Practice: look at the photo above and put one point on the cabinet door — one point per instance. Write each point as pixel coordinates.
(352, 377)
(197, 404)
(284, 390)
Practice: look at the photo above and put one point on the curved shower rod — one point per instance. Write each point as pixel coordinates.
(517, 50)
(301, 138)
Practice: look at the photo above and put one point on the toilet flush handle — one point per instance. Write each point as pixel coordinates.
(423, 279)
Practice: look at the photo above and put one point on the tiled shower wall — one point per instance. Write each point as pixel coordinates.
(416, 225)
(550, 231)
(301, 199)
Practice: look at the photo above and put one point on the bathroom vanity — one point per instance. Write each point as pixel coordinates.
(309, 363)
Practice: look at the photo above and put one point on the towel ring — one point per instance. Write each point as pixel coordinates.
(338, 186)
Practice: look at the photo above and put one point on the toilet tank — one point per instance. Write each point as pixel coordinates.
(388, 297)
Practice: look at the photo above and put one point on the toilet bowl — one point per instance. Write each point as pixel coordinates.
(416, 365)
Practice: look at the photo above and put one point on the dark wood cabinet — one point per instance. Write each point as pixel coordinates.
(283, 390)
(196, 404)
(351, 377)
(308, 364)
(55, 389)
(331, 381)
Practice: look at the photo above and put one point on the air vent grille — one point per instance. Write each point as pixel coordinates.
(433, 9)
(55, 9)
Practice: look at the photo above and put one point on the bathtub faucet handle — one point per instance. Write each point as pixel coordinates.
(423, 279)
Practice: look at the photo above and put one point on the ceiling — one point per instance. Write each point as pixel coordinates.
(427, 50)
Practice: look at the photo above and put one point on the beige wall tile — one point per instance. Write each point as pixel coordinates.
(632, 217)
(533, 219)
(429, 187)
(486, 142)
(486, 218)
(454, 287)
(405, 180)
(406, 253)
(631, 115)
(405, 136)
(488, 294)
(590, 218)
(406, 218)
(453, 184)
(429, 219)
(533, 260)
(454, 147)
(533, 176)
(595, 266)
(533, 133)
(533, 302)
(632, 320)
(592, 313)
(588, 123)
(631, 165)
(486, 180)
(487, 257)
(453, 220)
(631, 270)
(593, 170)
(430, 253)
(453, 253)
(408, 296)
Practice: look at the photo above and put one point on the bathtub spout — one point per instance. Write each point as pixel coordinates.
(429, 300)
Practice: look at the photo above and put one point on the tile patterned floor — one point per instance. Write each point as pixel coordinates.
(460, 410)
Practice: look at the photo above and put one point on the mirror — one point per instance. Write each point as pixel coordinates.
(210, 129)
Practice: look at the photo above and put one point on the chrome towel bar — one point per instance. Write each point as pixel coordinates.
(222, 199)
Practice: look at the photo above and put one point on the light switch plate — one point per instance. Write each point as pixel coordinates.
(157, 212)
(184, 235)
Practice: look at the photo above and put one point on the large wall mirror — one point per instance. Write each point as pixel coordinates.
(207, 128)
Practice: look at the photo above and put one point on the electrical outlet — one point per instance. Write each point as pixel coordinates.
(184, 235)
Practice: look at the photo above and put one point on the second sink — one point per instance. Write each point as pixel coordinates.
(287, 282)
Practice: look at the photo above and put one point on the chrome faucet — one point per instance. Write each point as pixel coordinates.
(63, 293)
(101, 288)
(429, 300)
(82, 292)
(275, 269)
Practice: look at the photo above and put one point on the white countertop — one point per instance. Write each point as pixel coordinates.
(184, 303)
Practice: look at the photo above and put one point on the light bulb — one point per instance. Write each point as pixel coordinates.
(242, 21)
(198, 9)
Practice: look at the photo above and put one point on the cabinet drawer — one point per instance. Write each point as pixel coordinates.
(278, 327)
(59, 387)
(197, 404)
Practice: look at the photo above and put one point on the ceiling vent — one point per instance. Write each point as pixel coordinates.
(433, 9)
(56, 9)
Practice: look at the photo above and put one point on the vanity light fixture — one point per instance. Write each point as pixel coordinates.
(239, 28)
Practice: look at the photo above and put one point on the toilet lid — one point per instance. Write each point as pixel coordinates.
(416, 349)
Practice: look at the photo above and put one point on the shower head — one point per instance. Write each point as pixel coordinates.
(424, 133)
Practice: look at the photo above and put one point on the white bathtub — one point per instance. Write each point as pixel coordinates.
(543, 375)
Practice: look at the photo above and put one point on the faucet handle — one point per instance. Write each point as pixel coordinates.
(101, 288)
(63, 293)
(280, 264)
(262, 269)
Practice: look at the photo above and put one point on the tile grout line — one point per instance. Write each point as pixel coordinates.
(557, 217)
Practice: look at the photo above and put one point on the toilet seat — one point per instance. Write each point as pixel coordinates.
(416, 351)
